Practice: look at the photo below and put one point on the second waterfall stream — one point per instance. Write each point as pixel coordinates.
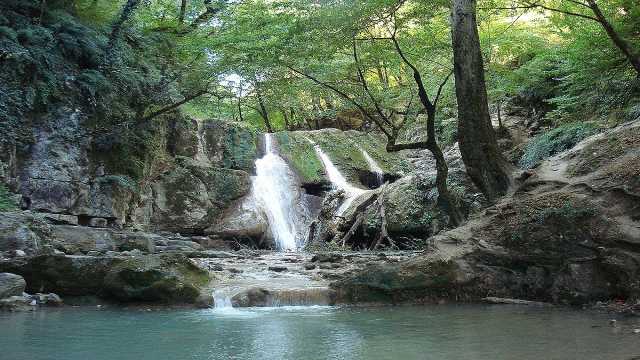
(278, 195)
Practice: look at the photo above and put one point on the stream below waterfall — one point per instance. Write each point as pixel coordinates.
(473, 332)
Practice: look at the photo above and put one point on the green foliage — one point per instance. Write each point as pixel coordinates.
(6, 201)
(555, 141)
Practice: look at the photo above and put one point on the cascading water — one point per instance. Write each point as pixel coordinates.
(280, 199)
(337, 179)
(373, 167)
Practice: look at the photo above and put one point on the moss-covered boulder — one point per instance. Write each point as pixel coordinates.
(64, 275)
(413, 281)
(344, 148)
(166, 278)
(169, 278)
(190, 197)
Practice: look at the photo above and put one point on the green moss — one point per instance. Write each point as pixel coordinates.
(344, 150)
(301, 155)
(555, 141)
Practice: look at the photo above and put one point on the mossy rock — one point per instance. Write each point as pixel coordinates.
(344, 150)
(191, 197)
(167, 278)
(230, 145)
(397, 283)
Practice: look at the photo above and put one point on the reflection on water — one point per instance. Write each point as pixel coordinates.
(317, 332)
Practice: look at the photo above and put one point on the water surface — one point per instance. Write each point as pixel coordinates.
(434, 332)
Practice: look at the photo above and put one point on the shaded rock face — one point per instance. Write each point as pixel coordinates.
(11, 285)
(55, 174)
(167, 278)
(23, 232)
(184, 188)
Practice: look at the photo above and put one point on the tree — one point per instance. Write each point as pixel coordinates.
(480, 153)
(590, 10)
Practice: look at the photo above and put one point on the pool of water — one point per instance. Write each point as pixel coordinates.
(432, 332)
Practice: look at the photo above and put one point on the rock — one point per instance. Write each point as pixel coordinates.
(278, 268)
(63, 274)
(16, 303)
(19, 253)
(204, 300)
(326, 257)
(243, 219)
(22, 231)
(11, 285)
(309, 266)
(98, 222)
(74, 239)
(251, 297)
(156, 278)
(497, 300)
(50, 299)
(190, 197)
(234, 270)
(216, 267)
(62, 219)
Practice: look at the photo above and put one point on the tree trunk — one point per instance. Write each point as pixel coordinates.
(125, 14)
(183, 11)
(263, 112)
(484, 162)
(622, 44)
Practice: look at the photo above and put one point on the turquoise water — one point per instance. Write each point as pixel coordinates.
(435, 332)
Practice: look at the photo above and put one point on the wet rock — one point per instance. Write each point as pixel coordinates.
(50, 299)
(278, 268)
(234, 270)
(242, 220)
(98, 222)
(11, 285)
(16, 303)
(309, 266)
(326, 257)
(204, 300)
(251, 297)
(160, 278)
(62, 219)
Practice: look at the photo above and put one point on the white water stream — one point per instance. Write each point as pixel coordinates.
(337, 179)
(279, 197)
(373, 167)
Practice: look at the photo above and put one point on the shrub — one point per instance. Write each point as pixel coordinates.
(555, 141)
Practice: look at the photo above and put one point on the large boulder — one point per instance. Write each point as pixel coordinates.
(64, 275)
(11, 285)
(243, 220)
(166, 278)
(190, 197)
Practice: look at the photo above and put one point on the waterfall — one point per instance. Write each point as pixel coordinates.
(279, 197)
(373, 167)
(337, 179)
(221, 300)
